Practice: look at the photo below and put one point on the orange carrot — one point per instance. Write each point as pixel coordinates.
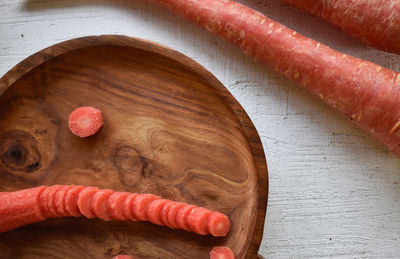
(85, 121)
(366, 93)
(33, 205)
(222, 252)
(375, 22)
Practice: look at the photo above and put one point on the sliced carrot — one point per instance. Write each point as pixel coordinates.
(218, 224)
(85, 121)
(222, 252)
(154, 211)
(171, 217)
(44, 203)
(85, 200)
(197, 220)
(141, 204)
(115, 205)
(51, 200)
(99, 204)
(127, 211)
(181, 216)
(71, 201)
(59, 201)
(122, 257)
(164, 212)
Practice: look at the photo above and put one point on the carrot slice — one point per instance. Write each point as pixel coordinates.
(59, 201)
(122, 257)
(85, 121)
(218, 224)
(43, 202)
(50, 199)
(171, 217)
(85, 200)
(141, 204)
(127, 210)
(99, 204)
(181, 216)
(115, 205)
(71, 201)
(222, 252)
(154, 211)
(164, 212)
(197, 220)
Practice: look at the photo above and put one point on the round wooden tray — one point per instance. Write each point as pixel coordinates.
(171, 128)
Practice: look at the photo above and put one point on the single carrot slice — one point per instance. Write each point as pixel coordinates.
(50, 200)
(85, 121)
(43, 202)
(59, 200)
(141, 204)
(85, 201)
(99, 204)
(127, 210)
(197, 220)
(181, 216)
(154, 211)
(171, 217)
(222, 252)
(71, 201)
(218, 224)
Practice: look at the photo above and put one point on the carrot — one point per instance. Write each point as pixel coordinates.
(222, 252)
(122, 257)
(33, 205)
(85, 121)
(364, 92)
(375, 22)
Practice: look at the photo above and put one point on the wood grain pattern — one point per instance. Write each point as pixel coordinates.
(170, 129)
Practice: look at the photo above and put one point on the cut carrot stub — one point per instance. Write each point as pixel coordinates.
(197, 220)
(222, 252)
(218, 224)
(85, 121)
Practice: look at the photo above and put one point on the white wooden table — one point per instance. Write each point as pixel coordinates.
(334, 191)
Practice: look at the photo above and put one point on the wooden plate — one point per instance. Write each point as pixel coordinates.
(171, 129)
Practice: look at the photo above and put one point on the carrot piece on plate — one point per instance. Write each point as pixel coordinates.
(85, 121)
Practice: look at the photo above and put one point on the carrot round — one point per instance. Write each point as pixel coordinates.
(364, 92)
(375, 22)
(222, 252)
(122, 257)
(85, 121)
(33, 205)
(218, 224)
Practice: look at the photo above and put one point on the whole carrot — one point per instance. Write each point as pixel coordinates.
(28, 206)
(366, 93)
(375, 22)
